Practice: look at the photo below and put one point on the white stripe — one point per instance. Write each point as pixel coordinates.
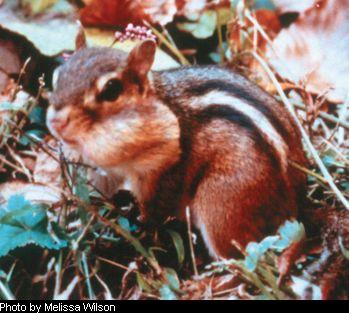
(199, 224)
(259, 120)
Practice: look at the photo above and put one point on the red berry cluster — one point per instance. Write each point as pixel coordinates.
(133, 32)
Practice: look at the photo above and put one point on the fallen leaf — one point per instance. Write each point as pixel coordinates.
(10, 63)
(36, 193)
(314, 51)
(284, 6)
(23, 223)
(160, 11)
(203, 28)
(191, 9)
(50, 35)
(8, 105)
(288, 258)
(38, 6)
(305, 290)
(122, 12)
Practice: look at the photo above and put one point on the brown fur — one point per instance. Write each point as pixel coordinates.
(174, 151)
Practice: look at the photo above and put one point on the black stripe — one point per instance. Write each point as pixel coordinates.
(218, 111)
(238, 92)
(200, 174)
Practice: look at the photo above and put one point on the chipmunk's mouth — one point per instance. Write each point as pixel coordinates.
(70, 142)
(60, 128)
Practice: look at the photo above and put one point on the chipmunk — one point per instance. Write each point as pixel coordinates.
(197, 136)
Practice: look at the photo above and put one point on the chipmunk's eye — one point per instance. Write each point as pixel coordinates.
(111, 90)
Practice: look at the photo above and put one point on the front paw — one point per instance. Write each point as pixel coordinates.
(123, 198)
(144, 216)
(143, 219)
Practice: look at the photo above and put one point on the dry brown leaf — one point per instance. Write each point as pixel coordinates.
(160, 11)
(7, 104)
(10, 62)
(289, 257)
(267, 20)
(32, 192)
(284, 6)
(122, 12)
(50, 35)
(314, 51)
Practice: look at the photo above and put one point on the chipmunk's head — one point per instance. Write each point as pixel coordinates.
(104, 106)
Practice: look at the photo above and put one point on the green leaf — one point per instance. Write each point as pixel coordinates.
(292, 231)
(215, 57)
(37, 116)
(345, 185)
(142, 283)
(10, 217)
(24, 223)
(34, 134)
(81, 190)
(16, 202)
(204, 27)
(257, 4)
(250, 263)
(328, 160)
(124, 223)
(166, 293)
(179, 245)
(263, 4)
(267, 243)
(172, 278)
(252, 257)
(10, 106)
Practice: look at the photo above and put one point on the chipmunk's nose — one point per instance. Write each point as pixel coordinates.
(59, 123)
(58, 120)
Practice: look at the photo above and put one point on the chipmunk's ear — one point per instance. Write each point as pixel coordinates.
(80, 40)
(141, 59)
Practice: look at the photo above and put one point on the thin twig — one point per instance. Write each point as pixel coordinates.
(8, 295)
(170, 46)
(304, 134)
(20, 76)
(192, 254)
(20, 162)
(220, 38)
(75, 244)
(13, 166)
(307, 171)
(108, 295)
(58, 270)
(116, 264)
(338, 152)
(90, 291)
(325, 116)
